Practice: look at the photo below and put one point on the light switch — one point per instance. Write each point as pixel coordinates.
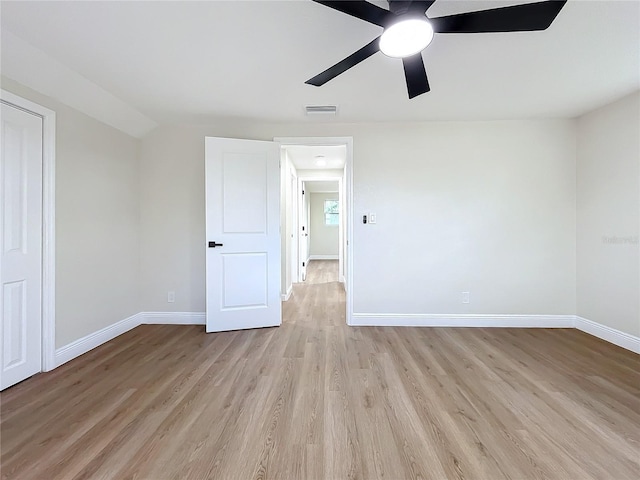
(372, 218)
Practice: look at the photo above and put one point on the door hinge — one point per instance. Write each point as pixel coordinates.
(303, 192)
(303, 264)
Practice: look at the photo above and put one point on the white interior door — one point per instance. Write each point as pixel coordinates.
(243, 234)
(295, 264)
(304, 232)
(21, 240)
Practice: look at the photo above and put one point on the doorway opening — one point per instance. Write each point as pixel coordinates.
(316, 212)
(320, 224)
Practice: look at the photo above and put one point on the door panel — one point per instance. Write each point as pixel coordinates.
(14, 185)
(242, 214)
(14, 326)
(21, 262)
(245, 280)
(245, 193)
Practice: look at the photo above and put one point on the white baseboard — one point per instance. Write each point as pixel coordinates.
(173, 318)
(611, 335)
(461, 320)
(323, 257)
(93, 340)
(286, 296)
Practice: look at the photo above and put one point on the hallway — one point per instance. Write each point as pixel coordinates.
(319, 299)
(322, 271)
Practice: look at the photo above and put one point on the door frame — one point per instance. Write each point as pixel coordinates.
(295, 220)
(304, 219)
(48, 221)
(348, 185)
(341, 225)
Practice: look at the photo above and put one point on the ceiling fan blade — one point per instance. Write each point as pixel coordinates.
(416, 75)
(363, 10)
(344, 65)
(415, 7)
(516, 18)
(420, 6)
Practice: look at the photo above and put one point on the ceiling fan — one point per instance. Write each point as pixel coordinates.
(408, 30)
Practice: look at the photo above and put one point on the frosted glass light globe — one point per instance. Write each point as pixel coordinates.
(406, 38)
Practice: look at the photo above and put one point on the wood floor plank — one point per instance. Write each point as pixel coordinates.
(317, 400)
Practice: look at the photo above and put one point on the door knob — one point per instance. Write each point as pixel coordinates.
(214, 245)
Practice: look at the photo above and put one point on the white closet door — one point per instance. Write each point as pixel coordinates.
(21, 245)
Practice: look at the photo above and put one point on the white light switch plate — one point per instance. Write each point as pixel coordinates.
(372, 218)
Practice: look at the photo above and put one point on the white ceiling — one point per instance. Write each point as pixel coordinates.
(321, 186)
(182, 61)
(304, 157)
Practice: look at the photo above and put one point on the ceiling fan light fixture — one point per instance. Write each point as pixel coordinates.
(406, 38)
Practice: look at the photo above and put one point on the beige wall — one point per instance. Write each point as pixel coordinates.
(97, 221)
(482, 207)
(172, 214)
(608, 211)
(324, 239)
(485, 207)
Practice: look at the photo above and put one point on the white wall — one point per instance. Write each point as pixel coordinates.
(97, 221)
(324, 238)
(608, 211)
(485, 207)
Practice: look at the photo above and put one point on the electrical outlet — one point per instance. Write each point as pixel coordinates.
(465, 297)
(171, 296)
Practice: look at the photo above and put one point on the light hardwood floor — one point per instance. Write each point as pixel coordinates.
(315, 399)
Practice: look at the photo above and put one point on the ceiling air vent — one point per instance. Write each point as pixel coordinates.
(321, 109)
